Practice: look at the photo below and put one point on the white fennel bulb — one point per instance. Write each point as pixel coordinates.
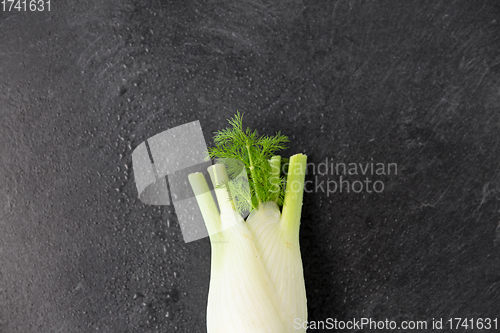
(280, 253)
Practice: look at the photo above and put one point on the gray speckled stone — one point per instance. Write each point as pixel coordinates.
(415, 84)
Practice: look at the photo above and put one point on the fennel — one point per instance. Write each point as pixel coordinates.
(257, 281)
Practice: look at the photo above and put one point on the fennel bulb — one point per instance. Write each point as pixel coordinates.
(257, 282)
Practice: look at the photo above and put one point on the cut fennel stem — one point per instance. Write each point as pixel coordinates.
(257, 282)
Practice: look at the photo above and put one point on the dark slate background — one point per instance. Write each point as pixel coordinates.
(412, 83)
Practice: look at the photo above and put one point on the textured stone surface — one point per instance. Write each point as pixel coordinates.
(412, 83)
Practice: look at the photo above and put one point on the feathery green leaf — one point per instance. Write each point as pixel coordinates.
(238, 148)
